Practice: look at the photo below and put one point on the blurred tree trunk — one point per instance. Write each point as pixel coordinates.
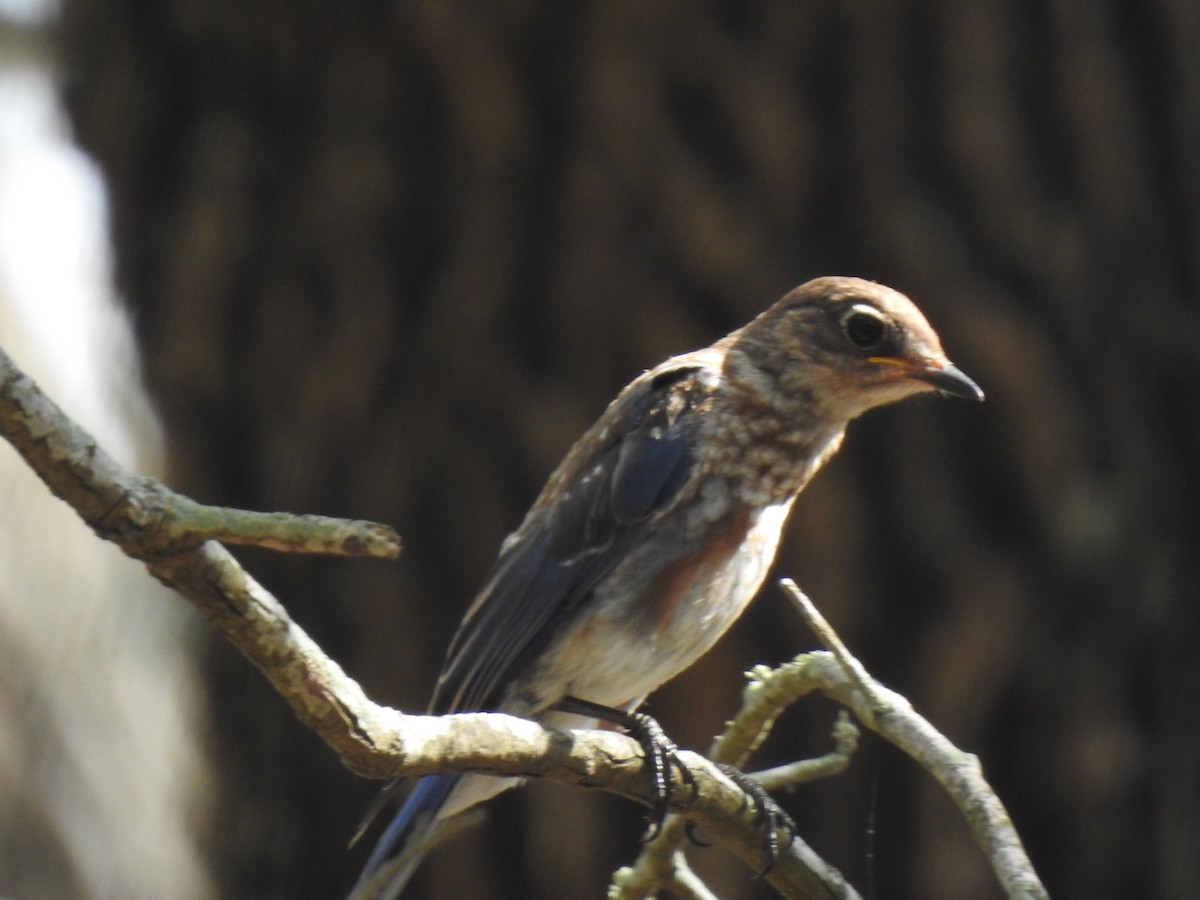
(389, 260)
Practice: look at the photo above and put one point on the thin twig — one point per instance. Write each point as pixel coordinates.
(889, 714)
(802, 771)
(832, 642)
(144, 517)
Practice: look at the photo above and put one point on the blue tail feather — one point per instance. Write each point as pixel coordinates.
(411, 825)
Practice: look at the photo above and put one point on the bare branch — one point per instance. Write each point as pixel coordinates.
(833, 643)
(142, 516)
(892, 716)
(835, 762)
(660, 866)
(766, 696)
(839, 675)
(174, 536)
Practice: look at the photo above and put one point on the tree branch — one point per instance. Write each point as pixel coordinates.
(176, 538)
(144, 517)
(840, 676)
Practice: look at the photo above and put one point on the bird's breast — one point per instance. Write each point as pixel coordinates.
(662, 609)
(693, 570)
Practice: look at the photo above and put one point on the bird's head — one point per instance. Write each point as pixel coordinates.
(846, 345)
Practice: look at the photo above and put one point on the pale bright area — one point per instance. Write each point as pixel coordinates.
(103, 782)
(55, 267)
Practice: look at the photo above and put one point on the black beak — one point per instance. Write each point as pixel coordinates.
(949, 380)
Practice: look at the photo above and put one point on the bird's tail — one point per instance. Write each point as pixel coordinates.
(405, 841)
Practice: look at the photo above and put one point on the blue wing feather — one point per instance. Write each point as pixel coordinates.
(649, 471)
(571, 543)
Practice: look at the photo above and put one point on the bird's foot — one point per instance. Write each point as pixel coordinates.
(769, 814)
(661, 754)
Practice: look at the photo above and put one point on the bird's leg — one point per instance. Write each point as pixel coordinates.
(660, 752)
(769, 814)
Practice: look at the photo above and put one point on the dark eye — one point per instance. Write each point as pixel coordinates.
(864, 329)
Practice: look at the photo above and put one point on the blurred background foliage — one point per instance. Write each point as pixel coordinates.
(387, 260)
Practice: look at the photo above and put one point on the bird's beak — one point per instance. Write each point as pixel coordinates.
(942, 375)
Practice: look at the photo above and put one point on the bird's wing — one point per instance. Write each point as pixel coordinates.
(630, 466)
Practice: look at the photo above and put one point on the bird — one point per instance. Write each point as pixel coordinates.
(659, 526)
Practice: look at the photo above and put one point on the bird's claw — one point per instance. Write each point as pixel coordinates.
(689, 829)
(769, 814)
(661, 754)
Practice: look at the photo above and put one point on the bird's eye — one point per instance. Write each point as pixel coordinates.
(864, 329)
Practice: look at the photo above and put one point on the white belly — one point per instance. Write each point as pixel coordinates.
(622, 654)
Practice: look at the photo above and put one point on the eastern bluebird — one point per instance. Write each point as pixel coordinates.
(658, 528)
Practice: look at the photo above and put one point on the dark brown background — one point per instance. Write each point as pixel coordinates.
(389, 259)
